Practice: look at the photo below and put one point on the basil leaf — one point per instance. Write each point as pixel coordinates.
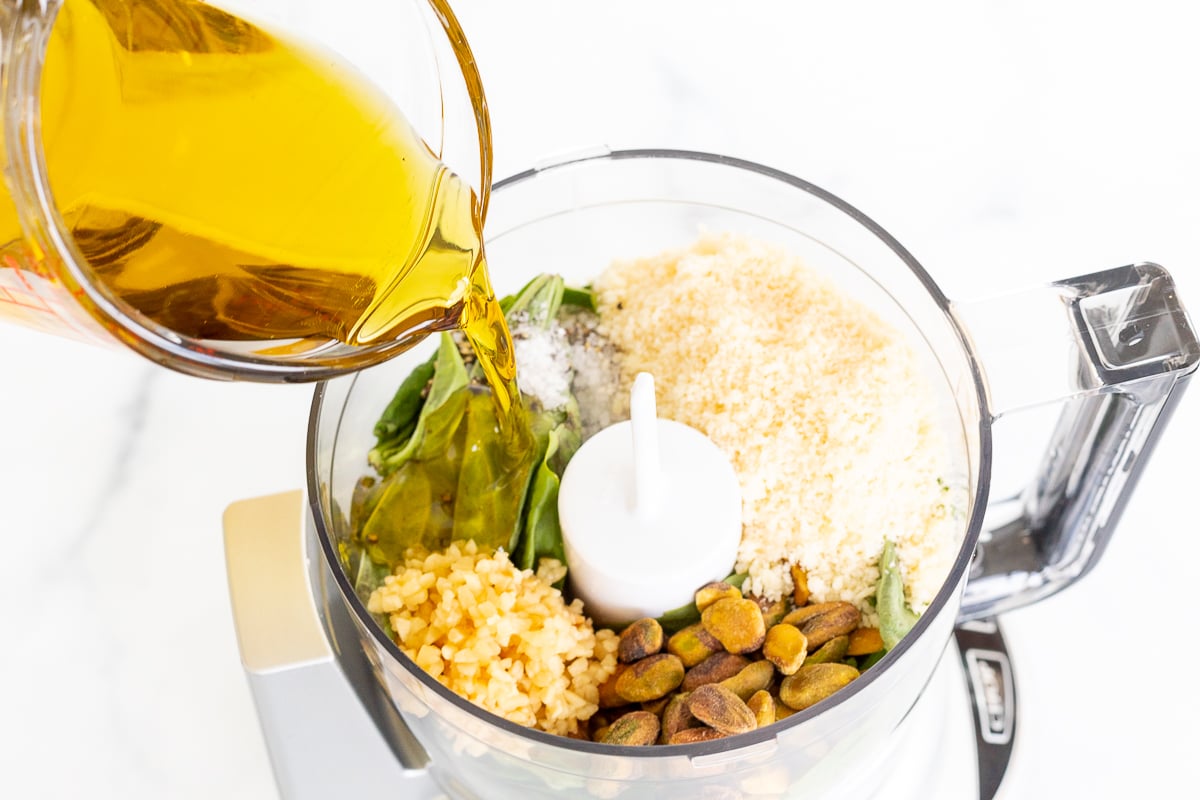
(448, 470)
(401, 413)
(399, 519)
(871, 660)
(416, 505)
(542, 536)
(363, 501)
(538, 301)
(582, 297)
(493, 479)
(895, 617)
(439, 416)
(368, 577)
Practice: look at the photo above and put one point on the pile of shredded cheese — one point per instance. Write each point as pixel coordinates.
(819, 404)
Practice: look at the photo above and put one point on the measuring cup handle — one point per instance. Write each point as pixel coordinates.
(323, 734)
(1115, 349)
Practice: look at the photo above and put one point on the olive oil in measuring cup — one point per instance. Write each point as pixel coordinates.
(249, 193)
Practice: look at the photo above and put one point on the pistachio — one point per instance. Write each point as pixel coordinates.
(656, 707)
(608, 690)
(864, 642)
(602, 719)
(785, 647)
(579, 732)
(763, 706)
(710, 593)
(800, 591)
(812, 683)
(676, 717)
(797, 616)
(639, 639)
(599, 734)
(716, 667)
(693, 735)
(719, 708)
(692, 644)
(833, 650)
(821, 622)
(650, 678)
(634, 728)
(782, 712)
(737, 623)
(755, 676)
(773, 611)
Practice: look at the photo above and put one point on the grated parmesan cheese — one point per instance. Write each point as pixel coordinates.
(819, 404)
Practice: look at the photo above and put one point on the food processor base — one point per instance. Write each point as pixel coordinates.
(934, 756)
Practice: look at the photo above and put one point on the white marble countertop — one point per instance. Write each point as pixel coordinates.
(1005, 144)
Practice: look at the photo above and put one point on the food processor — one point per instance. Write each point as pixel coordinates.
(343, 709)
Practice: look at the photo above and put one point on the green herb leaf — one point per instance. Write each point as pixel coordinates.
(871, 660)
(542, 534)
(493, 479)
(538, 302)
(449, 472)
(363, 501)
(439, 416)
(582, 297)
(416, 505)
(895, 617)
(401, 413)
(368, 577)
(401, 516)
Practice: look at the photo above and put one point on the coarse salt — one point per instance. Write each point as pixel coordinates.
(543, 363)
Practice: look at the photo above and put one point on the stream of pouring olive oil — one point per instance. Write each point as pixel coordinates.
(238, 187)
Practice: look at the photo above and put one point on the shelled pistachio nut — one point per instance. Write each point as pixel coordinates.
(634, 728)
(754, 677)
(736, 623)
(641, 638)
(716, 667)
(785, 647)
(719, 708)
(812, 683)
(692, 644)
(650, 678)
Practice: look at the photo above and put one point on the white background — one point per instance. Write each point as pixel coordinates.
(1004, 143)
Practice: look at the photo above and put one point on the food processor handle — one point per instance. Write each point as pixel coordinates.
(1115, 350)
(322, 740)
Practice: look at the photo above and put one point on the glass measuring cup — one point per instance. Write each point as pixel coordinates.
(409, 55)
(1112, 349)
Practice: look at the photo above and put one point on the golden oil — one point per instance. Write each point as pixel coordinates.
(242, 189)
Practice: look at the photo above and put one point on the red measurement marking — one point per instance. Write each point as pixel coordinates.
(24, 300)
(25, 283)
(19, 268)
